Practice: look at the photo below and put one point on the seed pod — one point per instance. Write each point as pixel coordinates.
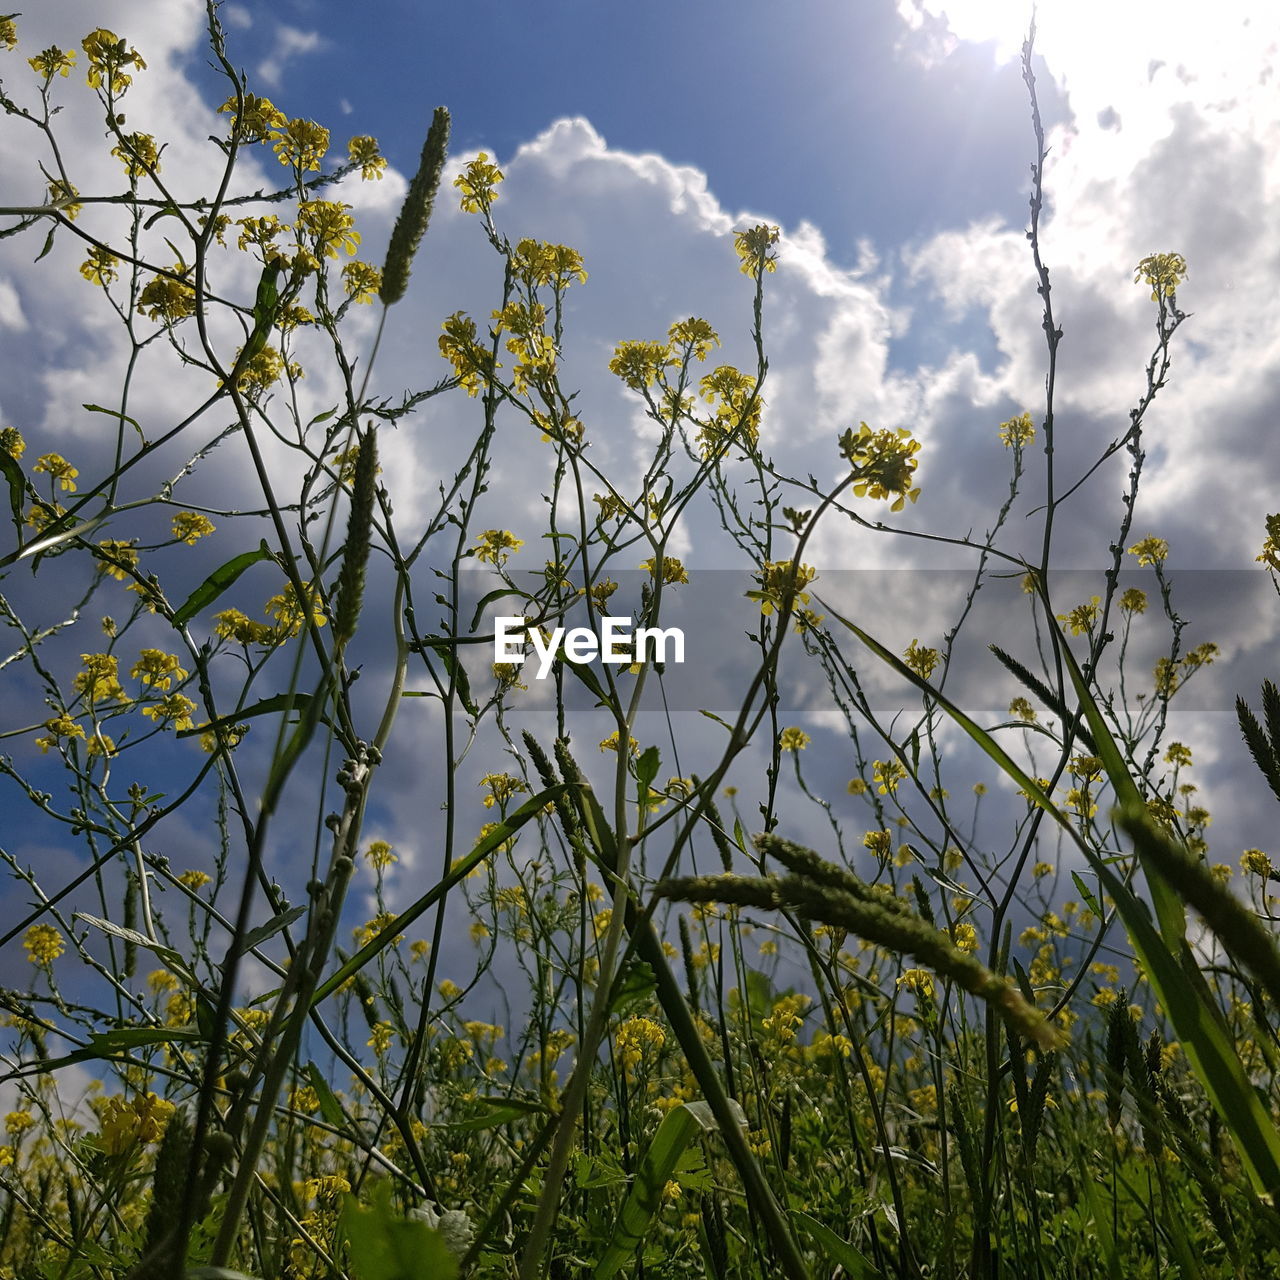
(415, 213)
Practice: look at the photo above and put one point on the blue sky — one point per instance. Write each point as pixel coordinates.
(890, 142)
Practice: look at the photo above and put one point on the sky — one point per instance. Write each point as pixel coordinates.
(890, 142)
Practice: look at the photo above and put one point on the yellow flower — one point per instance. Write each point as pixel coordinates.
(496, 545)
(329, 225)
(921, 661)
(164, 298)
(174, 710)
(793, 739)
(43, 944)
(116, 558)
(478, 183)
(1257, 863)
(611, 743)
(888, 774)
(193, 879)
(158, 669)
(1022, 710)
(53, 62)
(502, 786)
(1150, 550)
(231, 624)
(63, 194)
(290, 616)
(634, 1037)
(12, 444)
(673, 571)
(59, 727)
(363, 150)
(189, 526)
(125, 1124)
(361, 281)
(99, 681)
(8, 32)
(754, 247)
(301, 143)
(380, 1040)
(638, 364)
(17, 1122)
(108, 55)
(1082, 617)
(257, 118)
(379, 855)
(60, 469)
(1017, 431)
(1164, 272)
(139, 153)
(883, 463)
(919, 981)
(1133, 600)
(100, 267)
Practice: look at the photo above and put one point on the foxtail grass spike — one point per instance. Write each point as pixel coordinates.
(415, 213)
(355, 558)
(1266, 754)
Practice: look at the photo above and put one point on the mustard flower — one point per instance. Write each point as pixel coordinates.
(673, 571)
(108, 55)
(1133, 600)
(361, 281)
(301, 143)
(53, 62)
(888, 773)
(59, 727)
(379, 855)
(459, 346)
(478, 183)
(502, 786)
(8, 31)
(696, 337)
(18, 1122)
(1021, 709)
(755, 249)
(921, 661)
(99, 681)
(43, 944)
(190, 526)
(634, 1038)
(793, 739)
(363, 150)
(639, 364)
(1150, 550)
(536, 262)
(919, 981)
(100, 267)
(12, 444)
(139, 1121)
(1257, 863)
(139, 154)
(256, 119)
(231, 624)
(157, 669)
(290, 615)
(60, 469)
(1164, 272)
(1082, 617)
(174, 710)
(883, 463)
(330, 227)
(496, 545)
(1017, 431)
(611, 743)
(193, 880)
(164, 298)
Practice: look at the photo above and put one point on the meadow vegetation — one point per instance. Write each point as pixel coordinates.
(902, 1053)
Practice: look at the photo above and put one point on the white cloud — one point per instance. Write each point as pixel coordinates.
(11, 316)
(290, 43)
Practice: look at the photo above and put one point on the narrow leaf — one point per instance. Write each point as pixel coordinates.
(217, 582)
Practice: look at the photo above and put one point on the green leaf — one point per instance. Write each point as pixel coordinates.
(461, 869)
(647, 767)
(840, 1251)
(633, 988)
(217, 582)
(271, 928)
(121, 417)
(298, 702)
(486, 601)
(500, 1111)
(330, 1107)
(134, 938)
(678, 1129)
(122, 1038)
(385, 1246)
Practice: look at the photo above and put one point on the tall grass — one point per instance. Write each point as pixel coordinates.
(729, 1053)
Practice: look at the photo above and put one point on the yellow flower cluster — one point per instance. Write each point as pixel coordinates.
(478, 183)
(883, 463)
(43, 943)
(496, 545)
(139, 1120)
(108, 56)
(1018, 431)
(634, 1037)
(793, 739)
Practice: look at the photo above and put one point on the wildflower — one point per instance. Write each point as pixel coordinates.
(99, 681)
(230, 735)
(193, 879)
(888, 774)
(793, 739)
(157, 669)
(1133, 600)
(1082, 617)
(921, 661)
(231, 624)
(190, 526)
(301, 143)
(12, 445)
(60, 469)
(291, 616)
(108, 55)
(379, 855)
(126, 1124)
(478, 183)
(173, 711)
(883, 461)
(496, 545)
(330, 227)
(1150, 551)
(256, 119)
(611, 743)
(782, 581)
(53, 62)
(857, 787)
(18, 1122)
(639, 364)
(634, 1037)
(919, 981)
(673, 571)
(59, 727)
(363, 150)
(366, 933)
(8, 31)
(166, 299)
(139, 153)
(1256, 863)
(1164, 272)
(361, 281)
(1017, 431)
(43, 944)
(380, 1040)
(502, 786)
(458, 345)
(754, 247)
(965, 936)
(738, 408)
